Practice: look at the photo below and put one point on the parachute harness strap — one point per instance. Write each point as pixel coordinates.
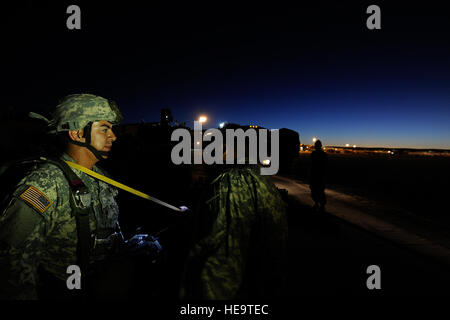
(80, 204)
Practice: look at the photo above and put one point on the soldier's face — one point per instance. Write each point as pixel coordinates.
(102, 135)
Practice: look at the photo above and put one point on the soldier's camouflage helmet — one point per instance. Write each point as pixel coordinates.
(75, 111)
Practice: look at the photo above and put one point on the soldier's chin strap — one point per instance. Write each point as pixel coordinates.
(98, 154)
(87, 135)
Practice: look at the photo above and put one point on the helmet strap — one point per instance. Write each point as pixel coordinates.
(87, 135)
(87, 132)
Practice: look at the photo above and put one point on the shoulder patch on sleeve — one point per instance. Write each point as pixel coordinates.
(36, 198)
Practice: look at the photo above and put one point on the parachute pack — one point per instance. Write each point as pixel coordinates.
(10, 175)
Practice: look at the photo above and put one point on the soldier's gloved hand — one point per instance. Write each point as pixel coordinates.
(144, 244)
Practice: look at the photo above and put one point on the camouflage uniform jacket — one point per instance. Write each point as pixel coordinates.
(38, 227)
(242, 242)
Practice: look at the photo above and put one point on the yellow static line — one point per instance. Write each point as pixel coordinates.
(120, 185)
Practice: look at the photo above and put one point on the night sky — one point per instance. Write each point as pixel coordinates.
(313, 68)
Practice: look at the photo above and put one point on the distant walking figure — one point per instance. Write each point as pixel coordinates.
(317, 176)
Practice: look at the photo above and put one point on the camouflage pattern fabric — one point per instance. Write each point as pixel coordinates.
(77, 110)
(31, 237)
(243, 251)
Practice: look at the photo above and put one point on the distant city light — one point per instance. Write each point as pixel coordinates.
(198, 142)
(202, 119)
(354, 146)
(314, 139)
(266, 162)
(221, 125)
(347, 145)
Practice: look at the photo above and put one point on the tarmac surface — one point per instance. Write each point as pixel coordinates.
(329, 253)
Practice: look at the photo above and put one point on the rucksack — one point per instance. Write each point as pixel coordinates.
(11, 173)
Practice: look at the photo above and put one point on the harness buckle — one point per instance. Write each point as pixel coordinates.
(83, 199)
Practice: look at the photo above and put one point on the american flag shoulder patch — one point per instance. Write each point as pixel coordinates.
(36, 198)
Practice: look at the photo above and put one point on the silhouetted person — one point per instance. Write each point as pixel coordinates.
(317, 176)
(239, 239)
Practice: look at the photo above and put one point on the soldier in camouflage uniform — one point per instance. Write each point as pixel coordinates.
(38, 229)
(241, 240)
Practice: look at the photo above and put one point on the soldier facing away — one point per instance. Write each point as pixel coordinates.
(317, 177)
(240, 240)
(58, 216)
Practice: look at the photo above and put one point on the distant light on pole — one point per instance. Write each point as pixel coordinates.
(202, 119)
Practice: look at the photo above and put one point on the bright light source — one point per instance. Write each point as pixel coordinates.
(347, 145)
(198, 142)
(266, 162)
(221, 125)
(314, 139)
(202, 119)
(354, 146)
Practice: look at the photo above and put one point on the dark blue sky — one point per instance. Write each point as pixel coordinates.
(315, 69)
